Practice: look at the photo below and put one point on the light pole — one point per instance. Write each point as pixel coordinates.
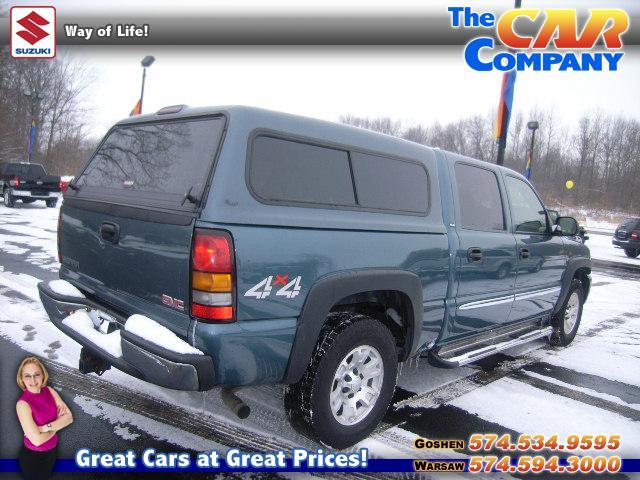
(533, 126)
(35, 98)
(146, 62)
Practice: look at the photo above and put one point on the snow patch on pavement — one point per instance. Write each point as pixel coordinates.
(527, 409)
(610, 352)
(602, 249)
(124, 432)
(160, 431)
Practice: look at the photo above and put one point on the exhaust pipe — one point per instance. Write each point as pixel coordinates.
(235, 403)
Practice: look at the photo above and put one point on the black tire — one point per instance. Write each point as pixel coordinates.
(563, 331)
(9, 200)
(307, 402)
(51, 203)
(28, 200)
(632, 252)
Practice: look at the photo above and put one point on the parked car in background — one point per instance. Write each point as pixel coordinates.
(627, 237)
(28, 182)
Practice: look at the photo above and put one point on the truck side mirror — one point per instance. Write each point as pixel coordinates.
(569, 226)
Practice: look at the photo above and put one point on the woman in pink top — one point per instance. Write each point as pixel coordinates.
(42, 413)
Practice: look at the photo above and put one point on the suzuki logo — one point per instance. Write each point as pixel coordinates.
(33, 33)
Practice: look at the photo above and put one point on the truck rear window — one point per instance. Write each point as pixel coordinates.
(25, 170)
(153, 164)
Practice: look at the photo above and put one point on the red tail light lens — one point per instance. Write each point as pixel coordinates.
(212, 285)
(15, 181)
(63, 186)
(212, 313)
(211, 253)
(634, 235)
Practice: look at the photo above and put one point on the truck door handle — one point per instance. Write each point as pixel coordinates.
(474, 254)
(524, 253)
(110, 232)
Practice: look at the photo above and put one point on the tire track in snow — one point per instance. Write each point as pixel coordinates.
(625, 392)
(197, 423)
(577, 396)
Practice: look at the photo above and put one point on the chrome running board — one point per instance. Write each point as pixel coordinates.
(475, 355)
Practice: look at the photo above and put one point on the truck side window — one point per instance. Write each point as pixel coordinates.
(480, 203)
(284, 170)
(528, 213)
(390, 184)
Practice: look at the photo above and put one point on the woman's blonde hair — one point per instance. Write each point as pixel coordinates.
(37, 363)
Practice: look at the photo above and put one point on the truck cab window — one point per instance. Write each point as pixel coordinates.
(480, 203)
(528, 212)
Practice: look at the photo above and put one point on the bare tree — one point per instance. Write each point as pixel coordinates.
(601, 154)
(50, 93)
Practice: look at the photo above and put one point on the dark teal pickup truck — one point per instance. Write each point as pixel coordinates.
(237, 246)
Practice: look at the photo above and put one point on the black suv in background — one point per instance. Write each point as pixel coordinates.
(627, 237)
(28, 182)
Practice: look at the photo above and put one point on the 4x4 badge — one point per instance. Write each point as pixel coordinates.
(263, 289)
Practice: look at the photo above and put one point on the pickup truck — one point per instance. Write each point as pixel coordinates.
(28, 182)
(234, 246)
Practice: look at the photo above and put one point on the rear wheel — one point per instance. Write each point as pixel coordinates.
(632, 252)
(349, 383)
(9, 200)
(51, 203)
(567, 320)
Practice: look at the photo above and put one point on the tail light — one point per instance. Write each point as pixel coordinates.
(634, 235)
(63, 185)
(212, 266)
(15, 181)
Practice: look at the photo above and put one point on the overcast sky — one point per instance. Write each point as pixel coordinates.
(412, 84)
(415, 85)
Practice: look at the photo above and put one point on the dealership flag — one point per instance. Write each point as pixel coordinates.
(527, 170)
(504, 107)
(137, 110)
(32, 137)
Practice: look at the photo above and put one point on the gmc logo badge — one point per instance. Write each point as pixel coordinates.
(172, 302)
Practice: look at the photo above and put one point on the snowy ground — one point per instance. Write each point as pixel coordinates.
(602, 249)
(593, 386)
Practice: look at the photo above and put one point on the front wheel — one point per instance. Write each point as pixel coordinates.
(349, 383)
(632, 252)
(567, 320)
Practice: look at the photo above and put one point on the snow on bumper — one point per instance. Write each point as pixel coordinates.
(144, 349)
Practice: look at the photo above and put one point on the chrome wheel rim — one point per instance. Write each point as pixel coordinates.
(356, 386)
(571, 312)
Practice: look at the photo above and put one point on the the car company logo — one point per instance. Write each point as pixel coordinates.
(33, 32)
